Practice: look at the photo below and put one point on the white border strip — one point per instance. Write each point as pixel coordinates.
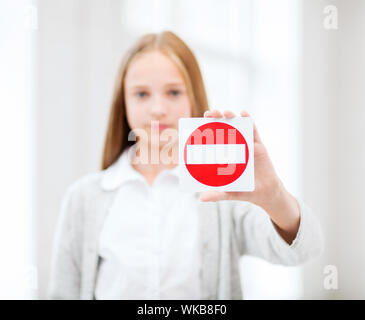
(215, 153)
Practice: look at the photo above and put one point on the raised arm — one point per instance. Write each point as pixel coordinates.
(287, 222)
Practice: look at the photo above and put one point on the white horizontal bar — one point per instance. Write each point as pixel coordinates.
(215, 153)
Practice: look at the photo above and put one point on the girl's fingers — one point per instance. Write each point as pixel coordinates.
(217, 114)
(212, 114)
(256, 134)
(229, 114)
(213, 195)
(257, 138)
(244, 113)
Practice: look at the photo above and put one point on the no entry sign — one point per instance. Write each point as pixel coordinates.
(216, 154)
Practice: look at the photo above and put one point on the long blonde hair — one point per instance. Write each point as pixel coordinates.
(170, 44)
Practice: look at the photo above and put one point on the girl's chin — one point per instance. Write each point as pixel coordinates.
(159, 145)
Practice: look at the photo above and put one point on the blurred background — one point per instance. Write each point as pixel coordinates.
(297, 66)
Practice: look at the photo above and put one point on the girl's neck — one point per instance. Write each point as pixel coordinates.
(150, 166)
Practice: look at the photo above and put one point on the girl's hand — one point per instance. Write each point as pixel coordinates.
(267, 183)
(269, 192)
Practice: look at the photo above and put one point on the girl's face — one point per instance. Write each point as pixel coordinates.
(155, 94)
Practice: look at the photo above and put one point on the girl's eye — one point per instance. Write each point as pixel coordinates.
(174, 93)
(141, 94)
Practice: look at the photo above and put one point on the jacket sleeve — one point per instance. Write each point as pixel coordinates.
(65, 265)
(257, 236)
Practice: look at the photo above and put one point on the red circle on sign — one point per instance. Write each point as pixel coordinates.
(210, 174)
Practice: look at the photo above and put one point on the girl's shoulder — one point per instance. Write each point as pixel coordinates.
(85, 196)
(86, 186)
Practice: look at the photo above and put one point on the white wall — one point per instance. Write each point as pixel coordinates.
(350, 150)
(333, 151)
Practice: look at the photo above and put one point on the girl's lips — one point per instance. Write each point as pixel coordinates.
(159, 127)
(163, 126)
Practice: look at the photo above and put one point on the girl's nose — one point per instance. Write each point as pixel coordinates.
(158, 109)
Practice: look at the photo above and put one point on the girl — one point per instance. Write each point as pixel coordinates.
(128, 232)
